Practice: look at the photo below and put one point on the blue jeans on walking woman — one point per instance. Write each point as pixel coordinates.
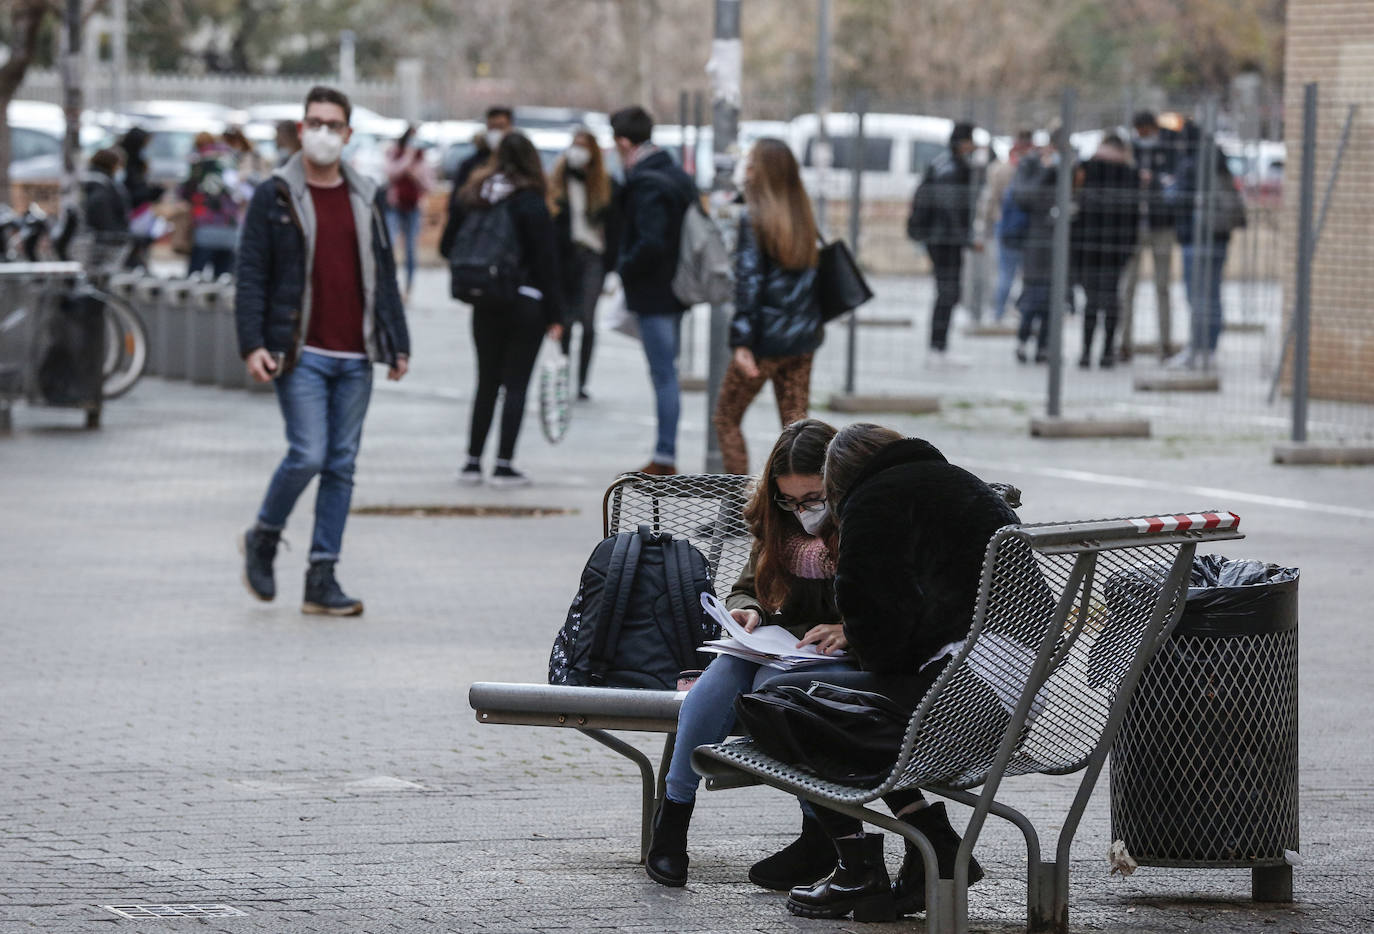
(662, 337)
(708, 713)
(323, 401)
(405, 225)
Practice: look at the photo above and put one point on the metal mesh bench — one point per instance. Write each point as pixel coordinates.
(1067, 617)
(708, 510)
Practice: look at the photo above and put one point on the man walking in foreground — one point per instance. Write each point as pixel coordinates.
(657, 194)
(316, 305)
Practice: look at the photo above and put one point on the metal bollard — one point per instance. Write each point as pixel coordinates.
(147, 298)
(173, 312)
(229, 370)
(200, 333)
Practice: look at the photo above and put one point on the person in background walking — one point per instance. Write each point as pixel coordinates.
(1033, 191)
(777, 324)
(243, 158)
(507, 334)
(105, 209)
(288, 141)
(1103, 239)
(1155, 151)
(215, 209)
(1203, 264)
(500, 120)
(942, 218)
(316, 305)
(408, 180)
(1002, 217)
(144, 224)
(657, 194)
(586, 211)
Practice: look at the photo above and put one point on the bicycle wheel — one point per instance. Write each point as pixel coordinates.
(126, 346)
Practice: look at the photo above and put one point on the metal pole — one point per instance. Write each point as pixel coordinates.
(1302, 307)
(1059, 281)
(682, 127)
(1195, 273)
(1204, 252)
(725, 104)
(71, 103)
(119, 52)
(822, 108)
(855, 209)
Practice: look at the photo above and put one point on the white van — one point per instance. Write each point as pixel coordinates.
(897, 150)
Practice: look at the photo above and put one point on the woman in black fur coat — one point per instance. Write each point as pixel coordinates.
(913, 532)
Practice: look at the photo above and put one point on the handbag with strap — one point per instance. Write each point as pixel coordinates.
(840, 281)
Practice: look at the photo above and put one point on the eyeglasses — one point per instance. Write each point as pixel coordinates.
(805, 505)
(333, 126)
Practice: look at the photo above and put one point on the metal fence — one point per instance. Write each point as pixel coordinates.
(1221, 372)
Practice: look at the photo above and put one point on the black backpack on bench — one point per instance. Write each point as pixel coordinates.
(637, 619)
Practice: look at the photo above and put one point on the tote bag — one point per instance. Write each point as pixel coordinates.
(842, 285)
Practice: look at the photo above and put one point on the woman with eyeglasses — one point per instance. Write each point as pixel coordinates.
(788, 582)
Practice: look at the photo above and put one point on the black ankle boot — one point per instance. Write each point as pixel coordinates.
(909, 891)
(859, 884)
(324, 596)
(666, 863)
(806, 859)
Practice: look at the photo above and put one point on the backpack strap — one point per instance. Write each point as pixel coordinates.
(620, 576)
(677, 563)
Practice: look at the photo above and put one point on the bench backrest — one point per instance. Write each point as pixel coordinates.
(706, 509)
(1067, 616)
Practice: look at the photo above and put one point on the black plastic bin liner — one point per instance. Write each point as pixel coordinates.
(1204, 769)
(71, 352)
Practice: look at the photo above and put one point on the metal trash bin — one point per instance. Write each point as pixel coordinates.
(174, 310)
(147, 298)
(1204, 771)
(200, 333)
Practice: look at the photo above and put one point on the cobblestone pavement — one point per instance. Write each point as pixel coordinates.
(168, 740)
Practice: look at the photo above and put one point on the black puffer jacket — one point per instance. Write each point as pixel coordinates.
(777, 310)
(913, 532)
(1108, 219)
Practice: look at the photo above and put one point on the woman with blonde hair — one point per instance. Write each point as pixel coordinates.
(584, 199)
(777, 325)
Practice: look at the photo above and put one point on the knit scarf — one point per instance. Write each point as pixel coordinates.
(806, 557)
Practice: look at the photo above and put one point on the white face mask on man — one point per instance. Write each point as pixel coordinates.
(812, 520)
(322, 146)
(494, 138)
(578, 157)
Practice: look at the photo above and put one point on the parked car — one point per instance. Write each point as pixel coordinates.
(37, 130)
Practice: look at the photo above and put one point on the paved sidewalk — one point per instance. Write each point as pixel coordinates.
(169, 740)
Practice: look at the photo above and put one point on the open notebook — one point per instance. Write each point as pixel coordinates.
(767, 645)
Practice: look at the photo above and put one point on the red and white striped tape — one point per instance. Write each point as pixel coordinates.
(1197, 521)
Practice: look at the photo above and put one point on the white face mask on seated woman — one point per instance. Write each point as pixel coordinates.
(813, 520)
(802, 496)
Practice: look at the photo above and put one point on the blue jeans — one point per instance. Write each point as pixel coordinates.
(323, 401)
(1206, 328)
(708, 713)
(662, 337)
(405, 225)
(1008, 262)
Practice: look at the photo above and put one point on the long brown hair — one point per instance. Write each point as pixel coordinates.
(849, 453)
(595, 177)
(779, 208)
(799, 450)
(516, 159)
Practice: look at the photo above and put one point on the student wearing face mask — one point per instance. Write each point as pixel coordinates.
(788, 582)
(584, 198)
(500, 121)
(777, 324)
(316, 306)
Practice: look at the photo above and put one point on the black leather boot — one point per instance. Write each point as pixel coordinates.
(666, 863)
(806, 859)
(859, 884)
(909, 891)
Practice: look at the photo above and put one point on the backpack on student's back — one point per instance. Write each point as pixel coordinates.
(485, 261)
(704, 271)
(637, 619)
(1014, 222)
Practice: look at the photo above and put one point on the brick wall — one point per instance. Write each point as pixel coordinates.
(1332, 42)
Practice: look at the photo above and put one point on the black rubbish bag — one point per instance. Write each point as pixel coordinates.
(70, 352)
(1204, 769)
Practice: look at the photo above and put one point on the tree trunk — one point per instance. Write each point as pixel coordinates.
(26, 19)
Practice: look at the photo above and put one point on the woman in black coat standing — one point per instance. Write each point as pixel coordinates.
(913, 532)
(507, 334)
(1103, 239)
